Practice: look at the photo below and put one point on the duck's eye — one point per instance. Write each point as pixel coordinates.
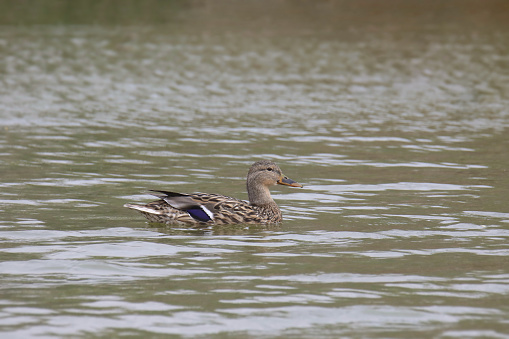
(269, 169)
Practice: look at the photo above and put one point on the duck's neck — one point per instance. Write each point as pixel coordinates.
(259, 195)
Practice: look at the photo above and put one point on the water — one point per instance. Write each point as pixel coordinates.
(399, 135)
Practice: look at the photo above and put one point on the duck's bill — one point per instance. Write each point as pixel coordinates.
(288, 182)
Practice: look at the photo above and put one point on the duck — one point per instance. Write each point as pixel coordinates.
(216, 209)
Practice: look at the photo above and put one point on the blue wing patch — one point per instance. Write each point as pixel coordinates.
(199, 213)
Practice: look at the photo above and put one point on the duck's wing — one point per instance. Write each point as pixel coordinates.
(205, 207)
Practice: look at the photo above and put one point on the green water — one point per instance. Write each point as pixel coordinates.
(396, 125)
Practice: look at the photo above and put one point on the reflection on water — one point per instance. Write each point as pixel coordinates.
(397, 133)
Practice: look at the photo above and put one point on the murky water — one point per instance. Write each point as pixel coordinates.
(399, 136)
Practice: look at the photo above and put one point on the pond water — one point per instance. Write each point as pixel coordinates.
(398, 134)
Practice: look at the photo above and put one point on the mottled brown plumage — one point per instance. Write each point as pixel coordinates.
(215, 209)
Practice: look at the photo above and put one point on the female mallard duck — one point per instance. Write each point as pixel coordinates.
(215, 209)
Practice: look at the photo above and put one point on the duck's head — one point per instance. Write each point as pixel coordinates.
(267, 173)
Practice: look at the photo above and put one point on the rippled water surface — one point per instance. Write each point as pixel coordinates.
(398, 134)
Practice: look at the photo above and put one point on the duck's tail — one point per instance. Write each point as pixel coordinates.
(144, 209)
